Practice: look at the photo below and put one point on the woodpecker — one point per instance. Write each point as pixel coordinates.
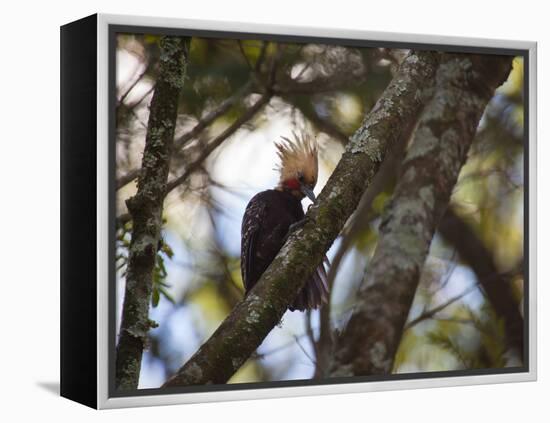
(270, 216)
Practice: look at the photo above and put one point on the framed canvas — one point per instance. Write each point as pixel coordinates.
(254, 211)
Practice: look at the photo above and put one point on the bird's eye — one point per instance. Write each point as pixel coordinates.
(300, 177)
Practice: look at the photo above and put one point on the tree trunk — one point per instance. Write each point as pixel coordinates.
(357, 224)
(145, 209)
(465, 84)
(253, 318)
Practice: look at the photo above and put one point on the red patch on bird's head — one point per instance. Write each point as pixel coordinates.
(292, 184)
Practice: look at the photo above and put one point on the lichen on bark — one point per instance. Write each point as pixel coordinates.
(465, 84)
(145, 208)
(253, 318)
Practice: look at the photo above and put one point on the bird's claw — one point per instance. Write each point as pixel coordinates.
(294, 227)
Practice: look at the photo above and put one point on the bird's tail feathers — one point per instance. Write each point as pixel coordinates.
(316, 292)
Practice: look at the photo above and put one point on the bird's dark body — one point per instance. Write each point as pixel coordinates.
(265, 227)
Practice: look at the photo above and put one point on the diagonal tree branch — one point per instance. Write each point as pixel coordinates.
(230, 130)
(429, 313)
(496, 285)
(210, 147)
(146, 211)
(323, 125)
(216, 142)
(146, 69)
(465, 84)
(357, 224)
(180, 142)
(253, 318)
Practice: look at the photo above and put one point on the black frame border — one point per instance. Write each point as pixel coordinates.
(78, 211)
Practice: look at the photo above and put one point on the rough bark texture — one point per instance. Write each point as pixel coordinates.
(253, 318)
(358, 223)
(465, 84)
(146, 211)
(497, 286)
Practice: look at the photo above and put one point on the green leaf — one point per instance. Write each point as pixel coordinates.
(155, 297)
(164, 292)
(166, 249)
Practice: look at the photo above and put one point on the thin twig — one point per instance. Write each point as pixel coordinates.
(304, 350)
(260, 356)
(261, 57)
(133, 84)
(323, 125)
(245, 57)
(212, 145)
(197, 129)
(310, 334)
(428, 314)
(215, 143)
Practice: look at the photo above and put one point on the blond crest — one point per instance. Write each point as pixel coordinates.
(298, 157)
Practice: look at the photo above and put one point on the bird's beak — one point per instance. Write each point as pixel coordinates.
(308, 192)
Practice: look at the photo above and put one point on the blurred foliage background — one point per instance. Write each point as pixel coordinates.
(225, 154)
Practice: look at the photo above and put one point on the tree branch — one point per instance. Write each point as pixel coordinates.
(146, 69)
(216, 142)
(465, 84)
(210, 147)
(253, 318)
(323, 125)
(196, 130)
(496, 285)
(429, 313)
(357, 224)
(146, 211)
(230, 130)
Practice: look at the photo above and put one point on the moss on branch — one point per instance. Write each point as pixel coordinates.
(254, 317)
(146, 211)
(465, 84)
